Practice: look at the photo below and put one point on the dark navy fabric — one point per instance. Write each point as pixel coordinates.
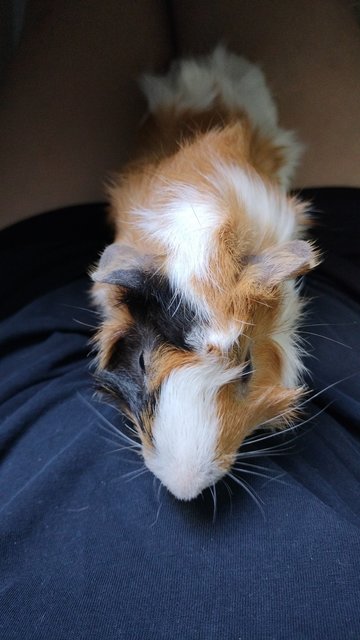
(89, 552)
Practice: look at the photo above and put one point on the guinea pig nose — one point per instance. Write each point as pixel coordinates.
(186, 487)
(186, 479)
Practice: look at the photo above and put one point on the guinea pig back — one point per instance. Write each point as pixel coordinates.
(198, 293)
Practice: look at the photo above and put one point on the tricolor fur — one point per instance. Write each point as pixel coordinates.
(198, 342)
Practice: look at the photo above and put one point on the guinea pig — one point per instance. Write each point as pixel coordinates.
(198, 342)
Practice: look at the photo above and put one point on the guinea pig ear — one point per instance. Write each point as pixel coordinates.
(122, 265)
(292, 259)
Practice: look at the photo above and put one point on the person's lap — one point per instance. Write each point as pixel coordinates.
(91, 549)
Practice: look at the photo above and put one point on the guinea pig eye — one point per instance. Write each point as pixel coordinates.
(247, 370)
(142, 362)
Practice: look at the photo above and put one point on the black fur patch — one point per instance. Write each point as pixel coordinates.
(125, 378)
(155, 304)
(160, 318)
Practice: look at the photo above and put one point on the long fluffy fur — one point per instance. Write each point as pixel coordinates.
(203, 205)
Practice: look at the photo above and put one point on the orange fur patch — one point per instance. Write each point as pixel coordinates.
(239, 416)
(110, 332)
(180, 148)
(165, 360)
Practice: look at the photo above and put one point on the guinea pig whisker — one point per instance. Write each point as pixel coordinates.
(108, 427)
(270, 446)
(230, 493)
(250, 491)
(123, 448)
(252, 473)
(120, 436)
(140, 473)
(250, 441)
(319, 335)
(333, 384)
(283, 415)
(275, 434)
(130, 428)
(85, 324)
(331, 324)
(283, 446)
(256, 466)
(155, 488)
(318, 413)
(136, 473)
(227, 488)
(113, 442)
(280, 444)
(157, 514)
(213, 493)
(88, 310)
(159, 490)
(251, 467)
(116, 443)
(262, 424)
(97, 413)
(263, 475)
(270, 450)
(266, 453)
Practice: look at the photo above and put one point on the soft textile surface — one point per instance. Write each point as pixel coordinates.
(86, 553)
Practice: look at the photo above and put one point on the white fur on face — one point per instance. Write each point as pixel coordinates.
(186, 429)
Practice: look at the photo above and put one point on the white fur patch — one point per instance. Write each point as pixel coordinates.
(266, 207)
(185, 227)
(224, 339)
(197, 84)
(186, 429)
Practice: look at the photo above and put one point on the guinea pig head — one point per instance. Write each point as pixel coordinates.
(197, 378)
